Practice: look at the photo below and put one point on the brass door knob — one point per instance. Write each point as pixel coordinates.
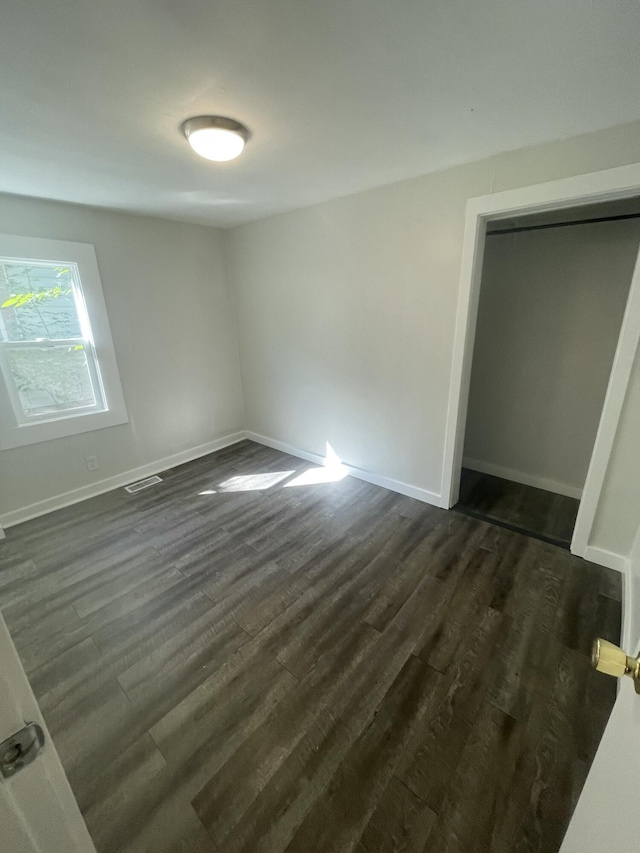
(612, 660)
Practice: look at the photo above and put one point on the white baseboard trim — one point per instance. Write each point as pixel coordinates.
(607, 558)
(386, 482)
(35, 510)
(520, 477)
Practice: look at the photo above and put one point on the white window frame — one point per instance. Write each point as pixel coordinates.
(85, 339)
(16, 430)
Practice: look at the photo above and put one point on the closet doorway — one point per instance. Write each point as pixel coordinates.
(535, 404)
(553, 294)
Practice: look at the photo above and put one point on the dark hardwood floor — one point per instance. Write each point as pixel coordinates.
(531, 511)
(230, 661)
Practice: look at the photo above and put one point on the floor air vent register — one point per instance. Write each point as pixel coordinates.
(142, 484)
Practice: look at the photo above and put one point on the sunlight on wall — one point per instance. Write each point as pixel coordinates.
(332, 471)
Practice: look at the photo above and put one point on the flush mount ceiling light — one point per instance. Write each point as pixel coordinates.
(215, 137)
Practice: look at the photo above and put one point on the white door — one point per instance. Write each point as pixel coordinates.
(38, 812)
(605, 820)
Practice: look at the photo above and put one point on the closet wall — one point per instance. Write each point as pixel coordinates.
(551, 306)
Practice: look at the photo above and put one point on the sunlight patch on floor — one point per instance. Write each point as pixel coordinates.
(318, 475)
(332, 471)
(254, 482)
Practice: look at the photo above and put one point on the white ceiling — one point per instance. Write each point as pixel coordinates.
(340, 95)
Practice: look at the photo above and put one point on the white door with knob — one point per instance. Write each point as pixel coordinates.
(38, 812)
(606, 817)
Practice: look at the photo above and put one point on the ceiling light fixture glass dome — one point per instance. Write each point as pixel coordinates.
(215, 137)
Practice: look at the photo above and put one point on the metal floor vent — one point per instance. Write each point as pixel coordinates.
(142, 484)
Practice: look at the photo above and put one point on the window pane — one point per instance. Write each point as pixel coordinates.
(37, 302)
(51, 379)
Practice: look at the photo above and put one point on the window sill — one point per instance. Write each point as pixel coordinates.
(20, 436)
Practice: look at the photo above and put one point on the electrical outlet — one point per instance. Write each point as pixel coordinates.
(92, 463)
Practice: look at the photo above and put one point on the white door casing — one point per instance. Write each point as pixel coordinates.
(38, 812)
(608, 185)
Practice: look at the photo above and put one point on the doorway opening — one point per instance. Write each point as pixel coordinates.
(553, 293)
(554, 207)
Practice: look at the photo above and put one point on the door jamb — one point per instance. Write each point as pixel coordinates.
(608, 185)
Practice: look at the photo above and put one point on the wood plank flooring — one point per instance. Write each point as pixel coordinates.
(534, 512)
(241, 660)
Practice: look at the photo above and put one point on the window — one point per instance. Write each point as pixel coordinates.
(56, 356)
(46, 348)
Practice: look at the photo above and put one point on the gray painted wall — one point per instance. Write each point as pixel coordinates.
(167, 294)
(346, 310)
(551, 307)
